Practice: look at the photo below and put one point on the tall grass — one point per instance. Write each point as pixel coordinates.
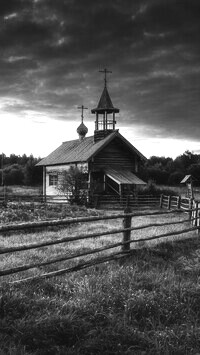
(147, 303)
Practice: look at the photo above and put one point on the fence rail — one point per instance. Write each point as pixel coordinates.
(116, 201)
(32, 198)
(30, 226)
(99, 201)
(125, 244)
(189, 205)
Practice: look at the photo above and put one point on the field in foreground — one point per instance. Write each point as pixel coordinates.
(146, 304)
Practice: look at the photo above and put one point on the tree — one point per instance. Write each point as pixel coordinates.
(183, 162)
(72, 184)
(194, 170)
(157, 175)
(13, 159)
(32, 173)
(175, 178)
(23, 159)
(13, 175)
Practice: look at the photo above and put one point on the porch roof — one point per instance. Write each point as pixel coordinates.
(124, 177)
(186, 178)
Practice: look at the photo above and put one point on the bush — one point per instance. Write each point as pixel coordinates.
(72, 183)
(152, 189)
(157, 175)
(194, 170)
(13, 175)
(175, 178)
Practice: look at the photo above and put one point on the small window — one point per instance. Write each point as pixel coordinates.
(53, 179)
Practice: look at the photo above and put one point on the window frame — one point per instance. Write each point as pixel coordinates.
(53, 179)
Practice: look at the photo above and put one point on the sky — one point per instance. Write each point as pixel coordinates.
(51, 54)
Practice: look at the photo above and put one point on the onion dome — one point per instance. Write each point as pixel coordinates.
(82, 130)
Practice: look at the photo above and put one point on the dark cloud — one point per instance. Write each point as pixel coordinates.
(52, 51)
(11, 6)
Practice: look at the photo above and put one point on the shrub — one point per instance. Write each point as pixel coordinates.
(13, 175)
(71, 184)
(152, 189)
(175, 178)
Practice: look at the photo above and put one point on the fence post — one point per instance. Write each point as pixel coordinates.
(161, 200)
(5, 196)
(190, 209)
(179, 202)
(198, 222)
(196, 213)
(126, 224)
(169, 202)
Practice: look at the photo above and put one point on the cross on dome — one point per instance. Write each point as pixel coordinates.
(82, 108)
(82, 129)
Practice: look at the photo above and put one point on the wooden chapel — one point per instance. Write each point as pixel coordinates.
(111, 163)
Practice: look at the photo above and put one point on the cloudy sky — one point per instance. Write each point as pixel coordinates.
(51, 54)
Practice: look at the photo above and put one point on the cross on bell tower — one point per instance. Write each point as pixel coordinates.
(82, 130)
(105, 71)
(104, 124)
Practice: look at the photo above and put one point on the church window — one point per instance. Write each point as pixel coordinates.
(53, 179)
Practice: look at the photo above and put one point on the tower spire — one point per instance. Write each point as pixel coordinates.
(105, 112)
(105, 71)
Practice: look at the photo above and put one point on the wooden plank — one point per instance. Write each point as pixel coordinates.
(114, 155)
(126, 226)
(55, 260)
(66, 222)
(78, 267)
(87, 236)
(100, 260)
(169, 203)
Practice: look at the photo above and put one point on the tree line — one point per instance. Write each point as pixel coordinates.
(20, 170)
(166, 171)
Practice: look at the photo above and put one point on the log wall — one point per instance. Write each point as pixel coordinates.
(115, 155)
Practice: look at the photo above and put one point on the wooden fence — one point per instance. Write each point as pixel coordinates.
(9, 197)
(125, 244)
(189, 205)
(99, 201)
(119, 202)
(170, 202)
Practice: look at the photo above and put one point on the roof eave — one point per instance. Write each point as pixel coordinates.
(110, 138)
(133, 148)
(66, 163)
(107, 109)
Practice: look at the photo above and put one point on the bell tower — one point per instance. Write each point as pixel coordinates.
(105, 113)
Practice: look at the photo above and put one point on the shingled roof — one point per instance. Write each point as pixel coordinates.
(105, 103)
(83, 150)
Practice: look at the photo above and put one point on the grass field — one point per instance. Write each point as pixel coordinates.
(22, 190)
(146, 304)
